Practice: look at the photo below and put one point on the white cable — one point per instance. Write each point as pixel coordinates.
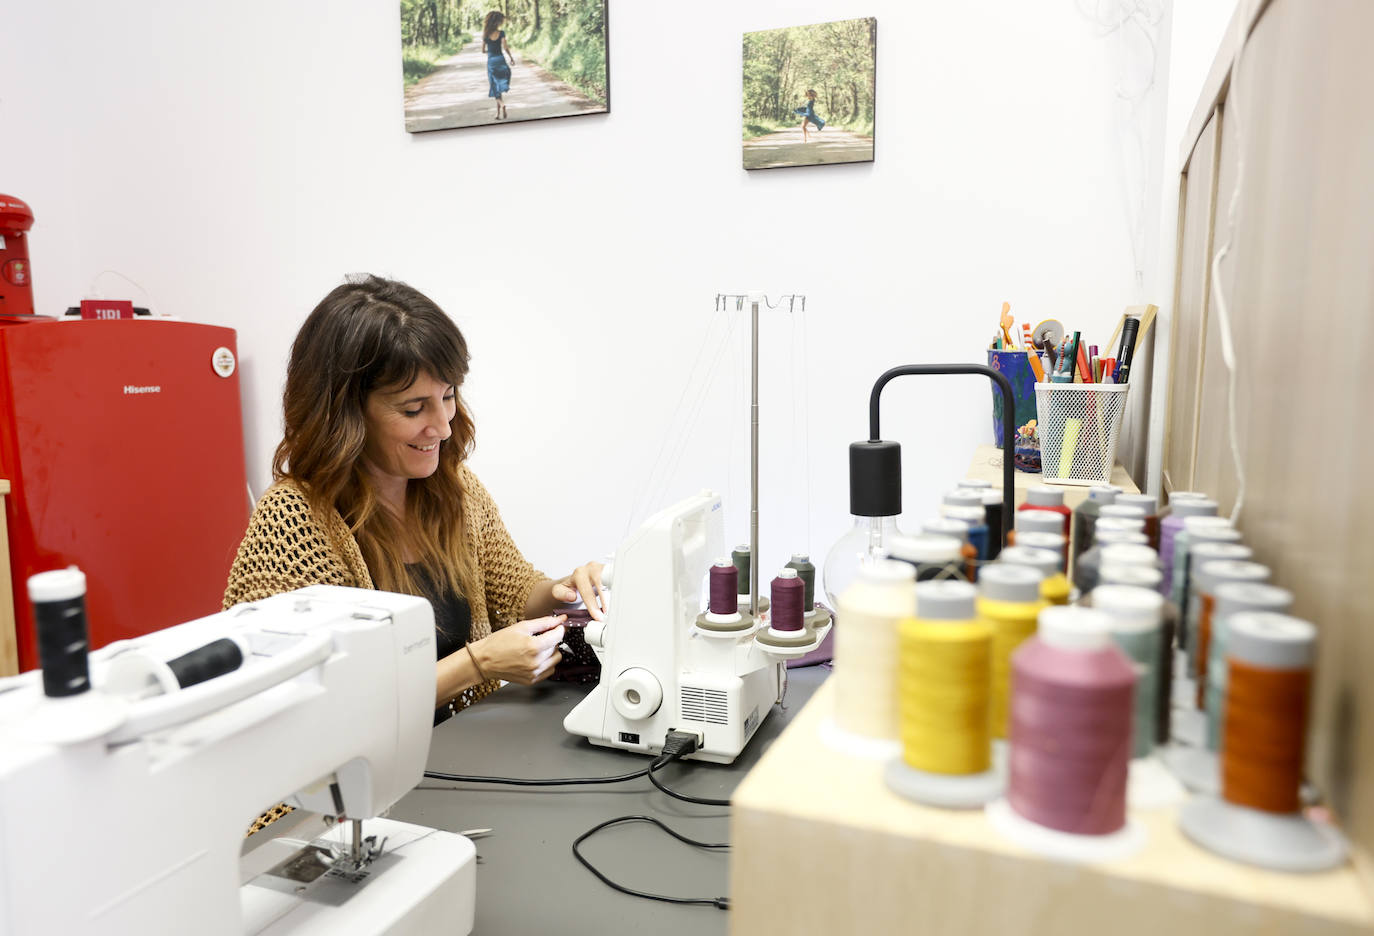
(95, 291)
(1228, 351)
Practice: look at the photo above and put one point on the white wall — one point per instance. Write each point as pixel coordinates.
(237, 159)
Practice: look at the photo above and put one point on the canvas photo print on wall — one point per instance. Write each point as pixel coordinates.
(469, 64)
(808, 94)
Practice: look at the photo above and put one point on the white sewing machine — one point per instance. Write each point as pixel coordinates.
(124, 810)
(662, 666)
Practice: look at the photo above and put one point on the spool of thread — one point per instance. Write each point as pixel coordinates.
(1039, 521)
(1085, 517)
(59, 617)
(807, 573)
(1046, 498)
(724, 588)
(1174, 496)
(1258, 819)
(1053, 543)
(866, 648)
(1120, 511)
(1054, 586)
(1106, 537)
(1179, 509)
(1137, 617)
(1129, 554)
(1196, 530)
(933, 557)
(1139, 576)
(740, 556)
(976, 484)
(1108, 530)
(943, 682)
(962, 497)
(1233, 598)
(1269, 676)
(788, 594)
(955, 529)
(1009, 604)
(1210, 574)
(977, 525)
(993, 515)
(1038, 559)
(1070, 725)
(1195, 553)
(1150, 505)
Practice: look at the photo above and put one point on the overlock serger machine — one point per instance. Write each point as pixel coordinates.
(125, 796)
(665, 663)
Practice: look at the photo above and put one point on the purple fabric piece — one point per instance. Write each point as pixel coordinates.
(581, 665)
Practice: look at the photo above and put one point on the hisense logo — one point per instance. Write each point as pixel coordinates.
(133, 388)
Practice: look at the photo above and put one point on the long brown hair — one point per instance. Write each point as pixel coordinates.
(494, 19)
(377, 334)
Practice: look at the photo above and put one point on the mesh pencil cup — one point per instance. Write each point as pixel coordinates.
(1079, 426)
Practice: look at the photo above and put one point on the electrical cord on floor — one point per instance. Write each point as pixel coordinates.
(559, 781)
(702, 801)
(720, 903)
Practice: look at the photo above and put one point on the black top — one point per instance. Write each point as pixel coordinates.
(493, 46)
(452, 614)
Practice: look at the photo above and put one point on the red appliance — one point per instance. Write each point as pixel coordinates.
(16, 280)
(123, 444)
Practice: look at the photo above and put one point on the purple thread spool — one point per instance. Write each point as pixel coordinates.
(724, 587)
(1179, 510)
(1070, 729)
(788, 593)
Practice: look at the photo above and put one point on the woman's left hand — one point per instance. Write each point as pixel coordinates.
(584, 583)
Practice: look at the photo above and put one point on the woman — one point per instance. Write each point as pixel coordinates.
(498, 72)
(809, 116)
(373, 491)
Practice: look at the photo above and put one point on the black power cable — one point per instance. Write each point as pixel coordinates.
(560, 781)
(720, 903)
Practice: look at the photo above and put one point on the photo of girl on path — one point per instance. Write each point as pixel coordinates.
(459, 64)
(808, 112)
(498, 72)
(808, 71)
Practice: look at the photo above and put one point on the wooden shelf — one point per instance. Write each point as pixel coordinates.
(820, 845)
(987, 465)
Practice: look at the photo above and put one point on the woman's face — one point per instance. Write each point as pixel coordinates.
(405, 426)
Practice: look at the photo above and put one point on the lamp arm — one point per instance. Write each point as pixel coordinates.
(1008, 409)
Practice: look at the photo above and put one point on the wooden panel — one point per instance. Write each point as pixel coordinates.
(1213, 463)
(1190, 311)
(1300, 286)
(821, 845)
(9, 648)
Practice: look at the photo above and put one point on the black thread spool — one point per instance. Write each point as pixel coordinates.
(59, 616)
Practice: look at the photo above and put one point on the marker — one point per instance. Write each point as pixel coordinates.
(1123, 357)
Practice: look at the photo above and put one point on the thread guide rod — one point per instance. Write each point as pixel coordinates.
(754, 299)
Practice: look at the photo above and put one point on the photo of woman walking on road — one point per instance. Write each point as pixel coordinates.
(808, 113)
(457, 61)
(498, 72)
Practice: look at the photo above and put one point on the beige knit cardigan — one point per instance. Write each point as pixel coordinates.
(288, 546)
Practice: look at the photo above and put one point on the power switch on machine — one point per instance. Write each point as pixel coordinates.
(16, 280)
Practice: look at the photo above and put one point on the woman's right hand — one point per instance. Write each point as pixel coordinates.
(525, 652)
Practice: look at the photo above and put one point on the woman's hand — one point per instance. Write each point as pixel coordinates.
(584, 583)
(524, 653)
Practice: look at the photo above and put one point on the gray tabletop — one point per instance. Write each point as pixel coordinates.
(528, 880)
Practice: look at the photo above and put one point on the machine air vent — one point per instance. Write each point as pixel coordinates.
(705, 705)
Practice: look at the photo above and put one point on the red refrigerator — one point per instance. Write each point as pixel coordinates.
(123, 445)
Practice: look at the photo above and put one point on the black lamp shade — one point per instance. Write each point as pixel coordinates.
(875, 479)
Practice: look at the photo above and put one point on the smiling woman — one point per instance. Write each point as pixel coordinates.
(373, 491)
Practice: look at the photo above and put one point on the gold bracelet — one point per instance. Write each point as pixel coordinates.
(473, 657)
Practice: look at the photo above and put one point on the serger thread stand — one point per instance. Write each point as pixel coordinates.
(723, 299)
